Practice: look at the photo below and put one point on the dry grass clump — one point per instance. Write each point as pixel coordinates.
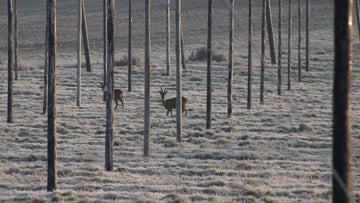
(201, 55)
(124, 61)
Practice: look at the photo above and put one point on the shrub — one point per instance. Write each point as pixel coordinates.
(135, 61)
(201, 55)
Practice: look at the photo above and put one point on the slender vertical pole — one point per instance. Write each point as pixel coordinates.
(46, 61)
(342, 184)
(270, 31)
(147, 79)
(16, 32)
(209, 65)
(129, 46)
(182, 49)
(249, 57)
(52, 114)
(262, 73)
(109, 139)
(289, 44)
(358, 15)
(299, 50)
(168, 64)
(279, 59)
(78, 81)
(231, 44)
(178, 72)
(85, 38)
(105, 44)
(307, 35)
(10, 59)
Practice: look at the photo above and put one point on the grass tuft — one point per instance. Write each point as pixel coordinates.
(62, 130)
(170, 143)
(305, 128)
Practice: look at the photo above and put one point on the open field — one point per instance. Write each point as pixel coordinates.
(277, 152)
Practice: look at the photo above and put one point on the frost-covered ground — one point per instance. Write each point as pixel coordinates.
(277, 152)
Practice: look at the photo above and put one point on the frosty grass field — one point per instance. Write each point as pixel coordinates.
(277, 152)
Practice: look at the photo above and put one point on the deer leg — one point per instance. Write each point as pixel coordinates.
(116, 104)
(184, 109)
(122, 103)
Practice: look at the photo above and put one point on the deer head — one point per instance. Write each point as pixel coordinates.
(163, 93)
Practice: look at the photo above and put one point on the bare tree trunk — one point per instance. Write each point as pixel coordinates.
(85, 38)
(307, 35)
(358, 15)
(249, 58)
(10, 59)
(262, 73)
(182, 49)
(279, 59)
(16, 31)
(46, 61)
(109, 140)
(231, 45)
(129, 47)
(168, 64)
(270, 31)
(78, 73)
(299, 50)
(289, 44)
(209, 65)
(52, 115)
(342, 184)
(105, 44)
(178, 72)
(147, 79)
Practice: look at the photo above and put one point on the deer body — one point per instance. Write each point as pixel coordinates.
(119, 95)
(170, 104)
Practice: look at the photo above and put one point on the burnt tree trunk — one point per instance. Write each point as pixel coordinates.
(209, 65)
(289, 44)
(231, 45)
(85, 38)
(299, 47)
(147, 79)
(262, 72)
(358, 16)
(129, 46)
(342, 185)
(46, 61)
(178, 72)
(10, 59)
(182, 50)
(16, 38)
(168, 20)
(78, 73)
(279, 59)
(307, 35)
(52, 115)
(249, 95)
(109, 138)
(270, 32)
(105, 31)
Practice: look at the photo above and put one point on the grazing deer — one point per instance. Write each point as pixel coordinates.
(170, 104)
(119, 95)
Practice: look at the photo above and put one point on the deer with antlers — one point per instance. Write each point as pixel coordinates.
(119, 95)
(170, 104)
